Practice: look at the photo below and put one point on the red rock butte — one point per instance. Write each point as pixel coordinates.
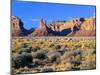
(84, 27)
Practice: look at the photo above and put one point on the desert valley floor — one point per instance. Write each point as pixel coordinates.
(51, 54)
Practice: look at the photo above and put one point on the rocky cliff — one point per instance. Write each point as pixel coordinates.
(17, 27)
(75, 27)
(87, 28)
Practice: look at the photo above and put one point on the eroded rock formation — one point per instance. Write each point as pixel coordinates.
(18, 28)
(75, 27)
(16, 23)
(41, 30)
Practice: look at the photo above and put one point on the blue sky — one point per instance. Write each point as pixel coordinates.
(30, 12)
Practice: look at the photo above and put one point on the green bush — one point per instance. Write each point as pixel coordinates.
(22, 60)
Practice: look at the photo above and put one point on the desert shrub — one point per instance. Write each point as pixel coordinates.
(88, 65)
(66, 46)
(27, 50)
(68, 53)
(22, 60)
(47, 70)
(13, 50)
(78, 45)
(33, 54)
(32, 65)
(94, 52)
(61, 51)
(78, 58)
(41, 54)
(51, 45)
(13, 62)
(52, 56)
(63, 66)
(24, 45)
(88, 54)
(41, 42)
(37, 62)
(76, 65)
(13, 72)
(36, 48)
(76, 52)
(90, 57)
(67, 56)
(76, 68)
(55, 46)
(21, 50)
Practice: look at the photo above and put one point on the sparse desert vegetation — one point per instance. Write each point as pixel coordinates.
(34, 55)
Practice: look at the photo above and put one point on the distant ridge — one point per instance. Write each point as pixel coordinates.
(74, 27)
